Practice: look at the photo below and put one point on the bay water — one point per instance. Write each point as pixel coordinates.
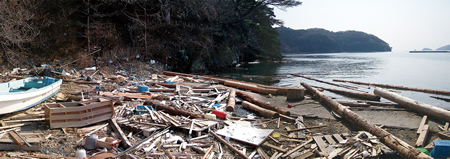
(417, 70)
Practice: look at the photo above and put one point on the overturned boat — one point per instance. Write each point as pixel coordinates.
(25, 93)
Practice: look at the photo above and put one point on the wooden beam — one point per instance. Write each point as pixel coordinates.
(338, 137)
(259, 110)
(329, 139)
(125, 142)
(217, 137)
(262, 153)
(16, 138)
(320, 143)
(296, 148)
(231, 101)
(262, 104)
(423, 136)
(311, 127)
(422, 123)
(274, 147)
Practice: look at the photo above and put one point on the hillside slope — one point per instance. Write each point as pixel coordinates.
(324, 41)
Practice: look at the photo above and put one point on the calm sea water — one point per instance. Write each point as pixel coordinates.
(427, 70)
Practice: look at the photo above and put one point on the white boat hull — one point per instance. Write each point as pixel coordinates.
(17, 101)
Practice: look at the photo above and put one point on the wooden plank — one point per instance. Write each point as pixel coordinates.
(125, 142)
(296, 149)
(330, 139)
(320, 143)
(79, 108)
(262, 153)
(423, 136)
(274, 147)
(430, 146)
(446, 126)
(422, 123)
(14, 147)
(444, 135)
(16, 138)
(311, 127)
(82, 115)
(338, 137)
(305, 155)
(81, 123)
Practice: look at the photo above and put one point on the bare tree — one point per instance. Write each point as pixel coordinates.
(16, 27)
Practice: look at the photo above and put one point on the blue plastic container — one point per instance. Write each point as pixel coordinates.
(441, 149)
(48, 81)
(142, 88)
(141, 110)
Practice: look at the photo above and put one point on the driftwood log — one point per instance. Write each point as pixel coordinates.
(388, 139)
(417, 106)
(397, 87)
(251, 87)
(352, 104)
(280, 90)
(260, 111)
(334, 84)
(441, 98)
(171, 110)
(261, 104)
(359, 95)
(231, 101)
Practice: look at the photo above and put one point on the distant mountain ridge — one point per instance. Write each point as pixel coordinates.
(446, 47)
(318, 40)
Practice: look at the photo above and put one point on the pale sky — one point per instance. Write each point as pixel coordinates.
(404, 24)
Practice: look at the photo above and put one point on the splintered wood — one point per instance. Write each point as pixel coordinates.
(162, 116)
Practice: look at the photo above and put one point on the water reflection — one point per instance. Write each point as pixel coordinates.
(331, 66)
(263, 73)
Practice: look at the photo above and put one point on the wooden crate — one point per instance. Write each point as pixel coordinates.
(78, 114)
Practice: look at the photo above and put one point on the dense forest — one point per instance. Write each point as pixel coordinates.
(324, 41)
(185, 35)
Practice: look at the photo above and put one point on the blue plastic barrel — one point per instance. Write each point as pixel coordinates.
(142, 88)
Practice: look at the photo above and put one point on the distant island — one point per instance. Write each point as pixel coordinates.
(323, 41)
(443, 49)
(446, 47)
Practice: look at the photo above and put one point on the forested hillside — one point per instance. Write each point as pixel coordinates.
(324, 41)
(187, 35)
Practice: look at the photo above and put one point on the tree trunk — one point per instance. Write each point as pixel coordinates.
(417, 106)
(261, 104)
(352, 104)
(388, 139)
(171, 110)
(260, 111)
(251, 87)
(398, 87)
(279, 90)
(334, 84)
(231, 101)
(360, 95)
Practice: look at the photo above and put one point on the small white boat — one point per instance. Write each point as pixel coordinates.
(25, 93)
